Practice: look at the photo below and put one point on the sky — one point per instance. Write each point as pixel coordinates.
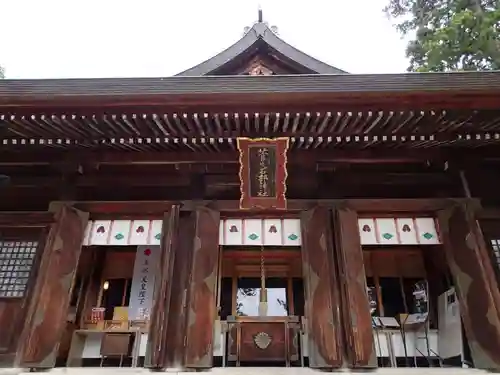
(157, 38)
(250, 304)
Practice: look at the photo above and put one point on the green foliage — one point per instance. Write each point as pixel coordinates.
(450, 35)
(2, 73)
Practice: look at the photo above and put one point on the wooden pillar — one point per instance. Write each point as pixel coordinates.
(202, 291)
(48, 309)
(156, 355)
(477, 291)
(321, 292)
(177, 318)
(92, 284)
(356, 315)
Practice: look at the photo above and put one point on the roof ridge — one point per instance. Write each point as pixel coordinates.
(261, 31)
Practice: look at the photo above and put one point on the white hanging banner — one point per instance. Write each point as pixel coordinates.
(143, 281)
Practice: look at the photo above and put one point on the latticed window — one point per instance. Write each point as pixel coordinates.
(16, 262)
(495, 246)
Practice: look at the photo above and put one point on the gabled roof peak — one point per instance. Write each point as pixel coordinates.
(260, 29)
(261, 26)
(261, 33)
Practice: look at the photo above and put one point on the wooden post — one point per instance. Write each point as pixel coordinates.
(477, 290)
(181, 276)
(202, 292)
(321, 292)
(356, 315)
(156, 355)
(46, 319)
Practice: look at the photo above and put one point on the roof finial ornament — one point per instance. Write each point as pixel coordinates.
(260, 19)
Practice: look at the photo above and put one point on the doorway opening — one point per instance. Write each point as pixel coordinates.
(414, 307)
(261, 305)
(107, 321)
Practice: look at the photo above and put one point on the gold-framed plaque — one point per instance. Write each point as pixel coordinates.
(263, 173)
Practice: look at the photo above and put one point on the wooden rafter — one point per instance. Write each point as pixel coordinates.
(215, 132)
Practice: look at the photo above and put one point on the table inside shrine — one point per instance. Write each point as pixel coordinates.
(263, 339)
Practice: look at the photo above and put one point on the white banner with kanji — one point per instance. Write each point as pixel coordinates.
(143, 281)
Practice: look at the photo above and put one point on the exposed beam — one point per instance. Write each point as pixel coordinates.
(124, 181)
(26, 219)
(360, 205)
(305, 157)
(297, 178)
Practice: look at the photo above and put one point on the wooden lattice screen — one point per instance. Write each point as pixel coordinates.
(491, 232)
(20, 251)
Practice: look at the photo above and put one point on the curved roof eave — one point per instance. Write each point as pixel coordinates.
(261, 31)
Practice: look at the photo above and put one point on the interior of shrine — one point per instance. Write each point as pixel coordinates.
(261, 294)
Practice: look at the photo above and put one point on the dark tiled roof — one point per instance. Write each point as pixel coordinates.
(261, 32)
(340, 83)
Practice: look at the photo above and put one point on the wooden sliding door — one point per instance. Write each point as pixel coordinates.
(355, 306)
(475, 282)
(202, 290)
(49, 306)
(321, 293)
(156, 354)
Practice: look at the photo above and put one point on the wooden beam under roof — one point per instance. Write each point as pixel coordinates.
(361, 205)
(306, 157)
(296, 178)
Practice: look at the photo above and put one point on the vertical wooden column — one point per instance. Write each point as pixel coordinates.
(177, 318)
(49, 305)
(356, 315)
(156, 355)
(92, 283)
(321, 292)
(477, 291)
(202, 292)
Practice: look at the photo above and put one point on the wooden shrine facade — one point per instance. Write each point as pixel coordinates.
(165, 151)
(178, 327)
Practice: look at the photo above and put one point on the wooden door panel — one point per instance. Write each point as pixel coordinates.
(356, 311)
(202, 294)
(323, 322)
(48, 310)
(478, 294)
(156, 355)
(177, 317)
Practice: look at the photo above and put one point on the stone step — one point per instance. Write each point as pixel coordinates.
(250, 371)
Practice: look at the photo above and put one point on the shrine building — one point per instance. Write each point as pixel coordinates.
(262, 208)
